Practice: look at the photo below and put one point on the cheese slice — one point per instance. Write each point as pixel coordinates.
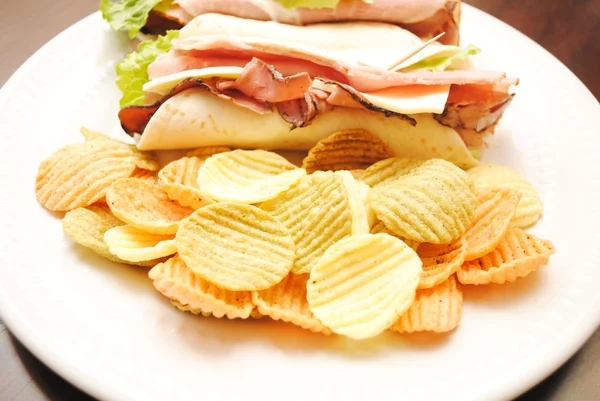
(412, 99)
(163, 85)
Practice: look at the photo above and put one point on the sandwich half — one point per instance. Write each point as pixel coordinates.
(262, 84)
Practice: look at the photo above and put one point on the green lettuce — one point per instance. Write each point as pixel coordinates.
(441, 63)
(130, 15)
(132, 71)
(313, 3)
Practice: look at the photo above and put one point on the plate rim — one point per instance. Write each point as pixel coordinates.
(38, 346)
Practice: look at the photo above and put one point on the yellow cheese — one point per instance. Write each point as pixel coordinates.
(405, 99)
(163, 85)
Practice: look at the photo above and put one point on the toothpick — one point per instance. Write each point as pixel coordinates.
(227, 33)
(417, 50)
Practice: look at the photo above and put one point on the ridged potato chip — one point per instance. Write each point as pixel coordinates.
(179, 179)
(187, 308)
(317, 213)
(440, 261)
(236, 247)
(87, 226)
(380, 228)
(145, 206)
(145, 175)
(437, 309)
(433, 203)
(357, 173)
(346, 150)
(135, 245)
(517, 255)
(142, 159)
(385, 171)
(356, 193)
(189, 292)
(363, 284)
(286, 301)
(207, 151)
(530, 207)
(492, 219)
(247, 176)
(80, 174)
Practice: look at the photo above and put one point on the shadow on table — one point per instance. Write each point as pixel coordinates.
(546, 390)
(49, 383)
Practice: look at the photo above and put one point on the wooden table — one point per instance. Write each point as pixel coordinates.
(570, 30)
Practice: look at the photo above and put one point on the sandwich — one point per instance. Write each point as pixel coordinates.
(223, 80)
(424, 18)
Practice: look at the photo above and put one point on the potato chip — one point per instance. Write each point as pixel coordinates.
(437, 309)
(346, 150)
(287, 301)
(189, 292)
(356, 193)
(492, 218)
(517, 255)
(87, 226)
(145, 175)
(206, 152)
(142, 159)
(236, 247)
(247, 176)
(386, 171)
(187, 308)
(380, 228)
(530, 207)
(357, 173)
(433, 203)
(90, 135)
(179, 179)
(363, 284)
(80, 174)
(135, 245)
(317, 213)
(440, 261)
(145, 206)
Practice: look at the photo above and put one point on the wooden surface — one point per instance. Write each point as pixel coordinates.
(568, 29)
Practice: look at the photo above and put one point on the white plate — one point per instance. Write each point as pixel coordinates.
(103, 327)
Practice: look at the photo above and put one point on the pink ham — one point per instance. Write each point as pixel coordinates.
(176, 61)
(425, 18)
(301, 112)
(263, 82)
(360, 77)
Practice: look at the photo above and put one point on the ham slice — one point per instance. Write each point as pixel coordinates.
(162, 19)
(263, 82)
(300, 112)
(425, 18)
(360, 77)
(176, 61)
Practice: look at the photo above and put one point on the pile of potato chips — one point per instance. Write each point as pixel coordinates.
(355, 242)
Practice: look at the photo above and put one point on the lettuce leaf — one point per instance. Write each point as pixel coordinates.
(314, 3)
(441, 63)
(132, 71)
(130, 15)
